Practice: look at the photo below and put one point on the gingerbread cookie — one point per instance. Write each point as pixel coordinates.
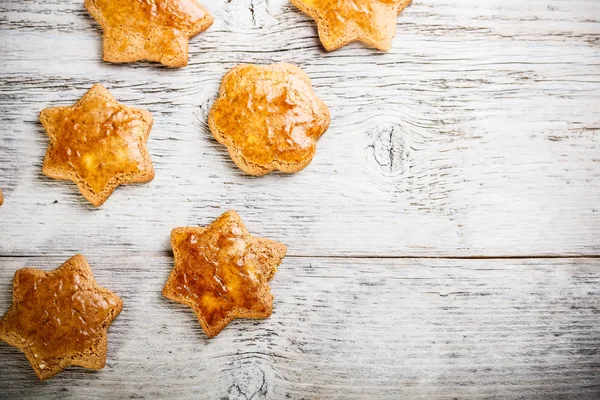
(98, 143)
(340, 22)
(153, 30)
(222, 272)
(268, 117)
(60, 318)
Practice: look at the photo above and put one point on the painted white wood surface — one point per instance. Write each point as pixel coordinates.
(361, 328)
(477, 135)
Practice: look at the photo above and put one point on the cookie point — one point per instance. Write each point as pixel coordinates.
(231, 213)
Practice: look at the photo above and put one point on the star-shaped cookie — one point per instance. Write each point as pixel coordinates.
(98, 143)
(60, 318)
(268, 117)
(340, 22)
(153, 30)
(222, 272)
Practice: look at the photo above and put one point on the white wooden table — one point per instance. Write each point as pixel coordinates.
(444, 242)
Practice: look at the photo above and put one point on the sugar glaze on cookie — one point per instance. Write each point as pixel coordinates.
(153, 30)
(222, 272)
(98, 143)
(268, 117)
(340, 22)
(60, 318)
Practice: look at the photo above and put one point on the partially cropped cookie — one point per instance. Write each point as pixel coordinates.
(60, 318)
(268, 117)
(1, 198)
(98, 143)
(340, 22)
(153, 30)
(222, 272)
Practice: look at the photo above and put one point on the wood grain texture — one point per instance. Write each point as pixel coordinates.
(345, 328)
(477, 134)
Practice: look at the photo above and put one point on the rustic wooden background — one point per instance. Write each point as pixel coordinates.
(444, 242)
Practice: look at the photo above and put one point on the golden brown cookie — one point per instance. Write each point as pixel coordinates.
(222, 272)
(1, 198)
(268, 117)
(98, 143)
(340, 22)
(153, 30)
(60, 318)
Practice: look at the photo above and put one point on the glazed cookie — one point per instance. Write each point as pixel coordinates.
(98, 143)
(222, 272)
(60, 318)
(268, 117)
(340, 22)
(153, 30)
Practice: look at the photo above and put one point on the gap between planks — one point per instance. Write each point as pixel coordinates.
(169, 253)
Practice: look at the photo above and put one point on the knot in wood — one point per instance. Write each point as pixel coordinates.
(388, 151)
(250, 13)
(249, 382)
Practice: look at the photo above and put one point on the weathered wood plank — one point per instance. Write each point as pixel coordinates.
(346, 328)
(476, 135)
